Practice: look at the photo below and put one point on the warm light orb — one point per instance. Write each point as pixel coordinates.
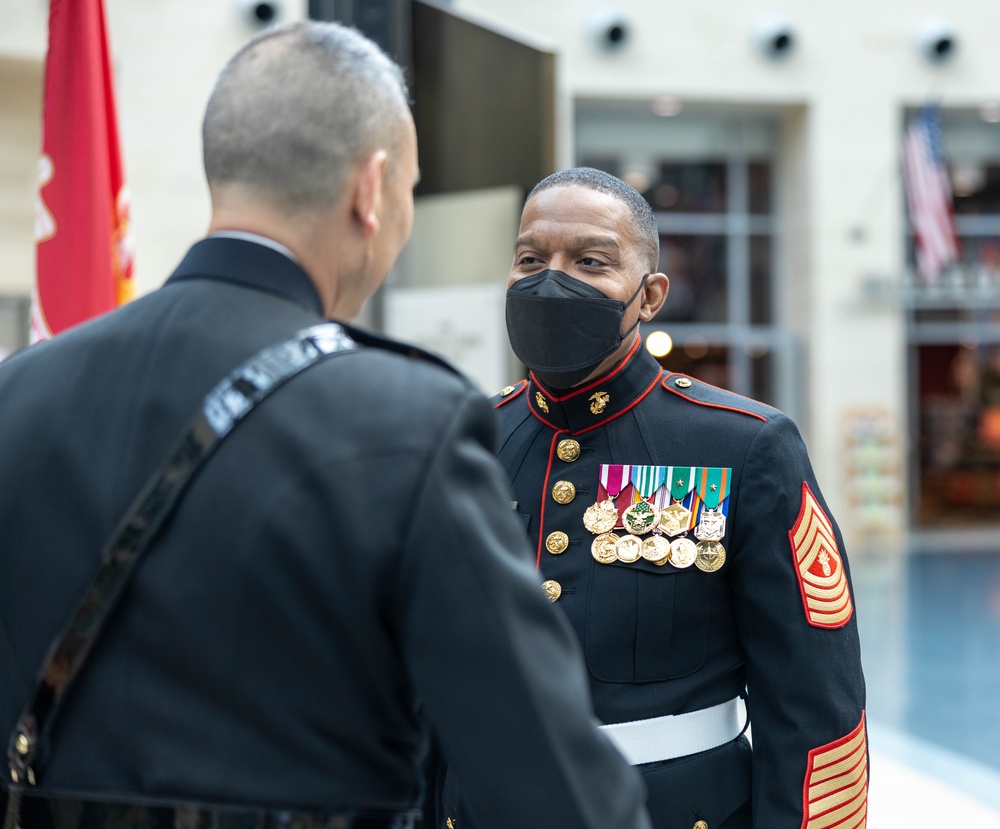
(659, 343)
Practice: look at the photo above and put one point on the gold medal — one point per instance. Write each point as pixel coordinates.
(711, 525)
(683, 552)
(601, 517)
(675, 519)
(604, 548)
(655, 549)
(639, 518)
(628, 549)
(711, 556)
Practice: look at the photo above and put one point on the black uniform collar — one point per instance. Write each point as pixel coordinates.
(247, 263)
(600, 400)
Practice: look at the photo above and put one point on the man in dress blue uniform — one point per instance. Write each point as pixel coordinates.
(681, 529)
(344, 568)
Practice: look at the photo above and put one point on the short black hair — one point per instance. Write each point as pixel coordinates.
(641, 214)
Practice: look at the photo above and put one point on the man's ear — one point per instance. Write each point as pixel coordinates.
(366, 196)
(654, 293)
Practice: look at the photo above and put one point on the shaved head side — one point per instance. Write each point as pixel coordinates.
(296, 107)
(643, 221)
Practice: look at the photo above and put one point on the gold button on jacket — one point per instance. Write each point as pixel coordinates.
(568, 450)
(557, 542)
(563, 492)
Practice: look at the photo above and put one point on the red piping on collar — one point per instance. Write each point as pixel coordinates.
(607, 420)
(712, 405)
(598, 382)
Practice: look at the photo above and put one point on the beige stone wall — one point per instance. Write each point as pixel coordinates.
(166, 56)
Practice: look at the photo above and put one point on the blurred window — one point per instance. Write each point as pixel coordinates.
(954, 345)
(709, 176)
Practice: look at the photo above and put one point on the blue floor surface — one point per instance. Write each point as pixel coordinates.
(930, 635)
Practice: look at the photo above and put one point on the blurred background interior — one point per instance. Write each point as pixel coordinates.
(769, 139)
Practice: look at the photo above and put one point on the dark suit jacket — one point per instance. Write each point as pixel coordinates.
(777, 619)
(347, 555)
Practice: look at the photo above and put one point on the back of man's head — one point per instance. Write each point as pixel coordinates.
(642, 219)
(295, 108)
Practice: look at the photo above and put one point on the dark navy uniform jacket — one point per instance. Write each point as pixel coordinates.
(346, 564)
(777, 619)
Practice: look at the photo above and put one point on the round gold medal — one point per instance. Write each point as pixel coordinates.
(629, 548)
(683, 552)
(711, 556)
(639, 518)
(604, 548)
(655, 549)
(601, 517)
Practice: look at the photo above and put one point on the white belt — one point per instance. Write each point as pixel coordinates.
(678, 735)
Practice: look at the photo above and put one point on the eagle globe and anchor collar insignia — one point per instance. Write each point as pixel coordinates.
(596, 402)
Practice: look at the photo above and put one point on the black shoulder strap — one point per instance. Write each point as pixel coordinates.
(225, 406)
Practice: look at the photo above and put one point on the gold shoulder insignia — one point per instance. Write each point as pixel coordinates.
(508, 393)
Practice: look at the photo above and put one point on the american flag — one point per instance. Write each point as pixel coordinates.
(928, 194)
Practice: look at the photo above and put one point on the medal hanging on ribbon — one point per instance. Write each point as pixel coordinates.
(676, 518)
(713, 492)
(656, 547)
(602, 516)
(641, 517)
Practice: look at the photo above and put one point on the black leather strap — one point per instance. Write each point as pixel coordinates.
(225, 406)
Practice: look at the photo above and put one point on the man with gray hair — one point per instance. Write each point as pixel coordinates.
(300, 561)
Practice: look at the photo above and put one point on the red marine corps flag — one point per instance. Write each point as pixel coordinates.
(84, 245)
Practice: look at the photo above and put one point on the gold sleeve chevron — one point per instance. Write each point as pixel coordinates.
(835, 794)
(822, 580)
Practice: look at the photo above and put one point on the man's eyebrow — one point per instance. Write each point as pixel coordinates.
(581, 242)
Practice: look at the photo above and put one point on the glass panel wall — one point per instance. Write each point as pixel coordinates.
(954, 346)
(709, 175)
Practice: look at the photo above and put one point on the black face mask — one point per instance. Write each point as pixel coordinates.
(563, 329)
